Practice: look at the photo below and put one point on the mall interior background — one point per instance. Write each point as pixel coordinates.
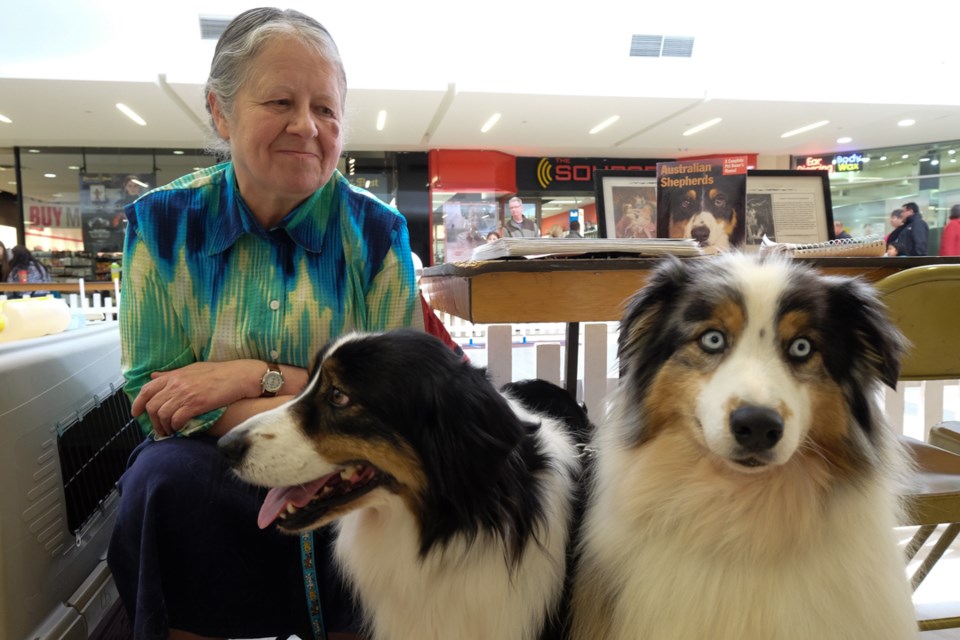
(62, 214)
(439, 71)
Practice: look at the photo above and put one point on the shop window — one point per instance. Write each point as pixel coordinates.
(884, 179)
(73, 199)
(462, 221)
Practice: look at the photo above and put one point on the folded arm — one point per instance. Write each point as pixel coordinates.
(172, 398)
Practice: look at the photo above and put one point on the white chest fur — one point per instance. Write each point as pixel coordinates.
(462, 590)
(798, 570)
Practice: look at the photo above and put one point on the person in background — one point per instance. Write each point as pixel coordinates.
(4, 263)
(950, 240)
(839, 232)
(493, 236)
(234, 276)
(911, 239)
(556, 231)
(130, 189)
(518, 226)
(23, 267)
(574, 229)
(896, 222)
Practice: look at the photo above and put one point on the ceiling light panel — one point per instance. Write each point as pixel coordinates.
(489, 124)
(809, 127)
(130, 113)
(701, 127)
(603, 125)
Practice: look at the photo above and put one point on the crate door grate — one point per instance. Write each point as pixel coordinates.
(93, 454)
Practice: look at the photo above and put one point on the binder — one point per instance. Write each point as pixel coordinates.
(860, 246)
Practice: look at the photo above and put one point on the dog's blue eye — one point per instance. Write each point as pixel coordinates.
(338, 398)
(713, 341)
(800, 349)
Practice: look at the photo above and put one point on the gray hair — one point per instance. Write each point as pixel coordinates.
(242, 40)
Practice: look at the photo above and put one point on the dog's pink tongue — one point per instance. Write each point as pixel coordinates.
(278, 499)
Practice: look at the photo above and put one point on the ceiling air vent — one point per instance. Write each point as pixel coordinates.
(644, 46)
(212, 26)
(677, 47)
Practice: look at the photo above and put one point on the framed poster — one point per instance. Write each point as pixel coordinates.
(788, 207)
(626, 203)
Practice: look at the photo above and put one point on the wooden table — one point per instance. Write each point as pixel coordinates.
(575, 290)
(62, 287)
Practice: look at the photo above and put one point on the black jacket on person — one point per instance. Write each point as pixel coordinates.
(912, 237)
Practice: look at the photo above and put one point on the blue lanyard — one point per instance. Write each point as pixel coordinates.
(310, 586)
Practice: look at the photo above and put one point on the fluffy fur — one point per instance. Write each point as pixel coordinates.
(452, 501)
(745, 481)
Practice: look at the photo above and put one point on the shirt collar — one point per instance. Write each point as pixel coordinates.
(304, 225)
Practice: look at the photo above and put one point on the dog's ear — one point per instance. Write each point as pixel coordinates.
(873, 343)
(643, 343)
(460, 416)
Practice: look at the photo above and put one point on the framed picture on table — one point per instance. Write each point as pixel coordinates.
(788, 207)
(626, 203)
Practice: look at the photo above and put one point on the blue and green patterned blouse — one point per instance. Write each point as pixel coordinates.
(203, 281)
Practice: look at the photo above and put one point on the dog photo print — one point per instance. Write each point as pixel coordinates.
(703, 200)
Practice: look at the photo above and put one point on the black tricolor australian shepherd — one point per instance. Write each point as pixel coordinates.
(745, 481)
(711, 216)
(453, 501)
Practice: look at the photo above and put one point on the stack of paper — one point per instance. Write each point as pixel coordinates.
(541, 247)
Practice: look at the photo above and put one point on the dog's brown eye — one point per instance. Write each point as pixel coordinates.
(713, 341)
(338, 398)
(800, 349)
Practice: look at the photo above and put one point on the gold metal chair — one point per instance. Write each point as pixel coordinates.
(924, 302)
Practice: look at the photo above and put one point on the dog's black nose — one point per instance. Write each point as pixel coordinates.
(756, 428)
(233, 447)
(700, 234)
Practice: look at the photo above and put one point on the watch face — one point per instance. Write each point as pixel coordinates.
(272, 381)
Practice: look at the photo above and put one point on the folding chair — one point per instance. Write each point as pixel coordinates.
(924, 302)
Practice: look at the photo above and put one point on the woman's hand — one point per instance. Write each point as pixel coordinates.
(171, 398)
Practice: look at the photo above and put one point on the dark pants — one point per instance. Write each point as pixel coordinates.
(186, 552)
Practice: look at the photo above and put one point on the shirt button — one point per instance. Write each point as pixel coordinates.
(274, 304)
(274, 354)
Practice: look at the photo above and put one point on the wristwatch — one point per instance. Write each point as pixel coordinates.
(272, 381)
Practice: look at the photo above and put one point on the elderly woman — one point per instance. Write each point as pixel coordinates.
(233, 277)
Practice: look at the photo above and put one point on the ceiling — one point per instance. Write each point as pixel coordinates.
(440, 71)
